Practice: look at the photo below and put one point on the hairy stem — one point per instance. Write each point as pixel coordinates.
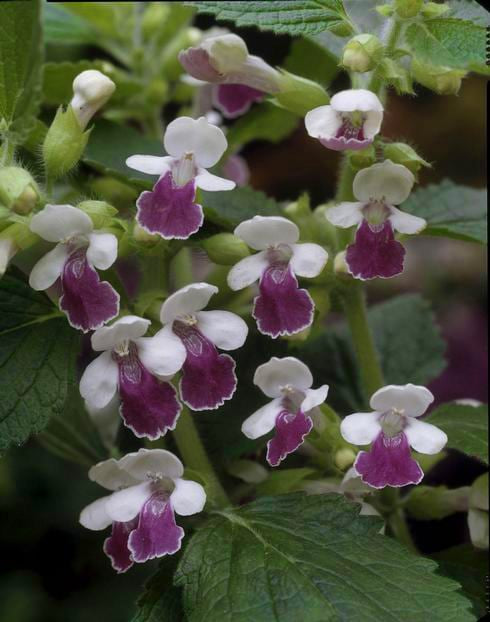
(394, 32)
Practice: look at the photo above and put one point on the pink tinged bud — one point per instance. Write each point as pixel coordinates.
(91, 90)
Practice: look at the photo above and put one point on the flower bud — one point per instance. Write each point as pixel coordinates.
(407, 8)
(228, 52)
(18, 190)
(91, 90)
(153, 17)
(342, 29)
(386, 10)
(479, 493)
(340, 265)
(362, 53)
(396, 75)
(225, 249)
(298, 94)
(141, 235)
(248, 471)
(100, 212)
(435, 503)
(433, 9)
(442, 80)
(400, 153)
(14, 238)
(362, 158)
(344, 458)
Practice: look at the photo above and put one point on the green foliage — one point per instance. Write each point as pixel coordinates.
(282, 481)
(466, 427)
(313, 558)
(160, 601)
(264, 122)
(229, 209)
(311, 60)
(63, 27)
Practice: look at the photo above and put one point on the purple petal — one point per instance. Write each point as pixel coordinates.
(339, 143)
(234, 100)
(87, 301)
(282, 308)
(208, 378)
(149, 407)
(196, 62)
(375, 253)
(169, 210)
(157, 533)
(116, 546)
(236, 168)
(290, 433)
(388, 463)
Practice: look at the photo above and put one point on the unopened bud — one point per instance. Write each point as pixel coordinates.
(435, 503)
(18, 190)
(225, 249)
(227, 52)
(64, 143)
(342, 29)
(433, 9)
(248, 471)
(442, 80)
(344, 458)
(91, 90)
(362, 158)
(100, 212)
(401, 153)
(407, 8)
(362, 53)
(154, 16)
(299, 94)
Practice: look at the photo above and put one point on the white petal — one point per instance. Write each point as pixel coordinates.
(110, 475)
(410, 398)
(94, 516)
(163, 354)
(314, 397)
(263, 420)
(212, 183)
(151, 165)
(360, 428)
(48, 268)
(356, 99)
(345, 214)
(55, 223)
(128, 327)
(186, 135)
(187, 300)
(406, 223)
(124, 505)
(107, 420)
(425, 437)
(102, 250)
(277, 373)
(385, 181)
(308, 259)
(99, 381)
(372, 123)
(478, 526)
(262, 231)
(247, 271)
(153, 461)
(322, 122)
(225, 329)
(188, 497)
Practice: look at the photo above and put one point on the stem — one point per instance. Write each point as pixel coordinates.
(400, 529)
(376, 82)
(194, 455)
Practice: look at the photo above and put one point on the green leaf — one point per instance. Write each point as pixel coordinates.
(160, 601)
(110, 19)
(21, 56)
(229, 209)
(308, 58)
(452, 211)
(466, 427)
(264, 122)
(297, 557)
(293, 17)
(37, 361)
(281, 481)
(63, 27)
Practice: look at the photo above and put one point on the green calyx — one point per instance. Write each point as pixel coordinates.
(362, 53)
(299, 95)
(225, 249)
(401, 153)
(18, 190)
(442, 80)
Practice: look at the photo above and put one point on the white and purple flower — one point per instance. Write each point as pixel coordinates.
(350, 121)
(392, 428)
(131, 369)
(191, 336)
(148, 490)
(375, 252)
(281, 308)
(292, 410)
(88, 302)
(169, 210)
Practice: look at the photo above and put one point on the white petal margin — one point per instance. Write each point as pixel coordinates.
(99, 381)
(124, 505)
(345, 214)
(308, 260)
(225, 329)
(356, 99)
(314, 397)
(385, 181)
(110, 475)
(261, 232)
(187, 300)
(322, 122)
(360, 428)
(425, 437)
(151, 165)
(247, 271)
(158, 462)
(163, 354)
(188, 497)
(102, 250)
(199, 137)
(49, 268)
(478, 526)
(406, 223)
(94, 516)
(263, 420)
(412, 399)
(212, 183)
(128, 327)
(56, 223)
(273, 376)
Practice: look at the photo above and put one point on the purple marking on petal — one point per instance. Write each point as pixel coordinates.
(196, 62)
(169, 210)
(87, 301)
(290, 433)
(149, 407)
(208, 378)
(234, 100)
(340, 143)
(157, 533)
(388, 463)
(282, 308)
(116, 545)
(375, 253)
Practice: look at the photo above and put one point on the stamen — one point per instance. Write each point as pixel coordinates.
(392, 422)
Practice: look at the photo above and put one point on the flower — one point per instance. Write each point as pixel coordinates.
(350, 121)
(169, 209)
(148, 490)
(478, 512)
(392, 429)
(292, 409)
(87, 302)
(281, 308)
(131, 367)
(234, 100)
(192, 336)
(91, 90)
(375, 252)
